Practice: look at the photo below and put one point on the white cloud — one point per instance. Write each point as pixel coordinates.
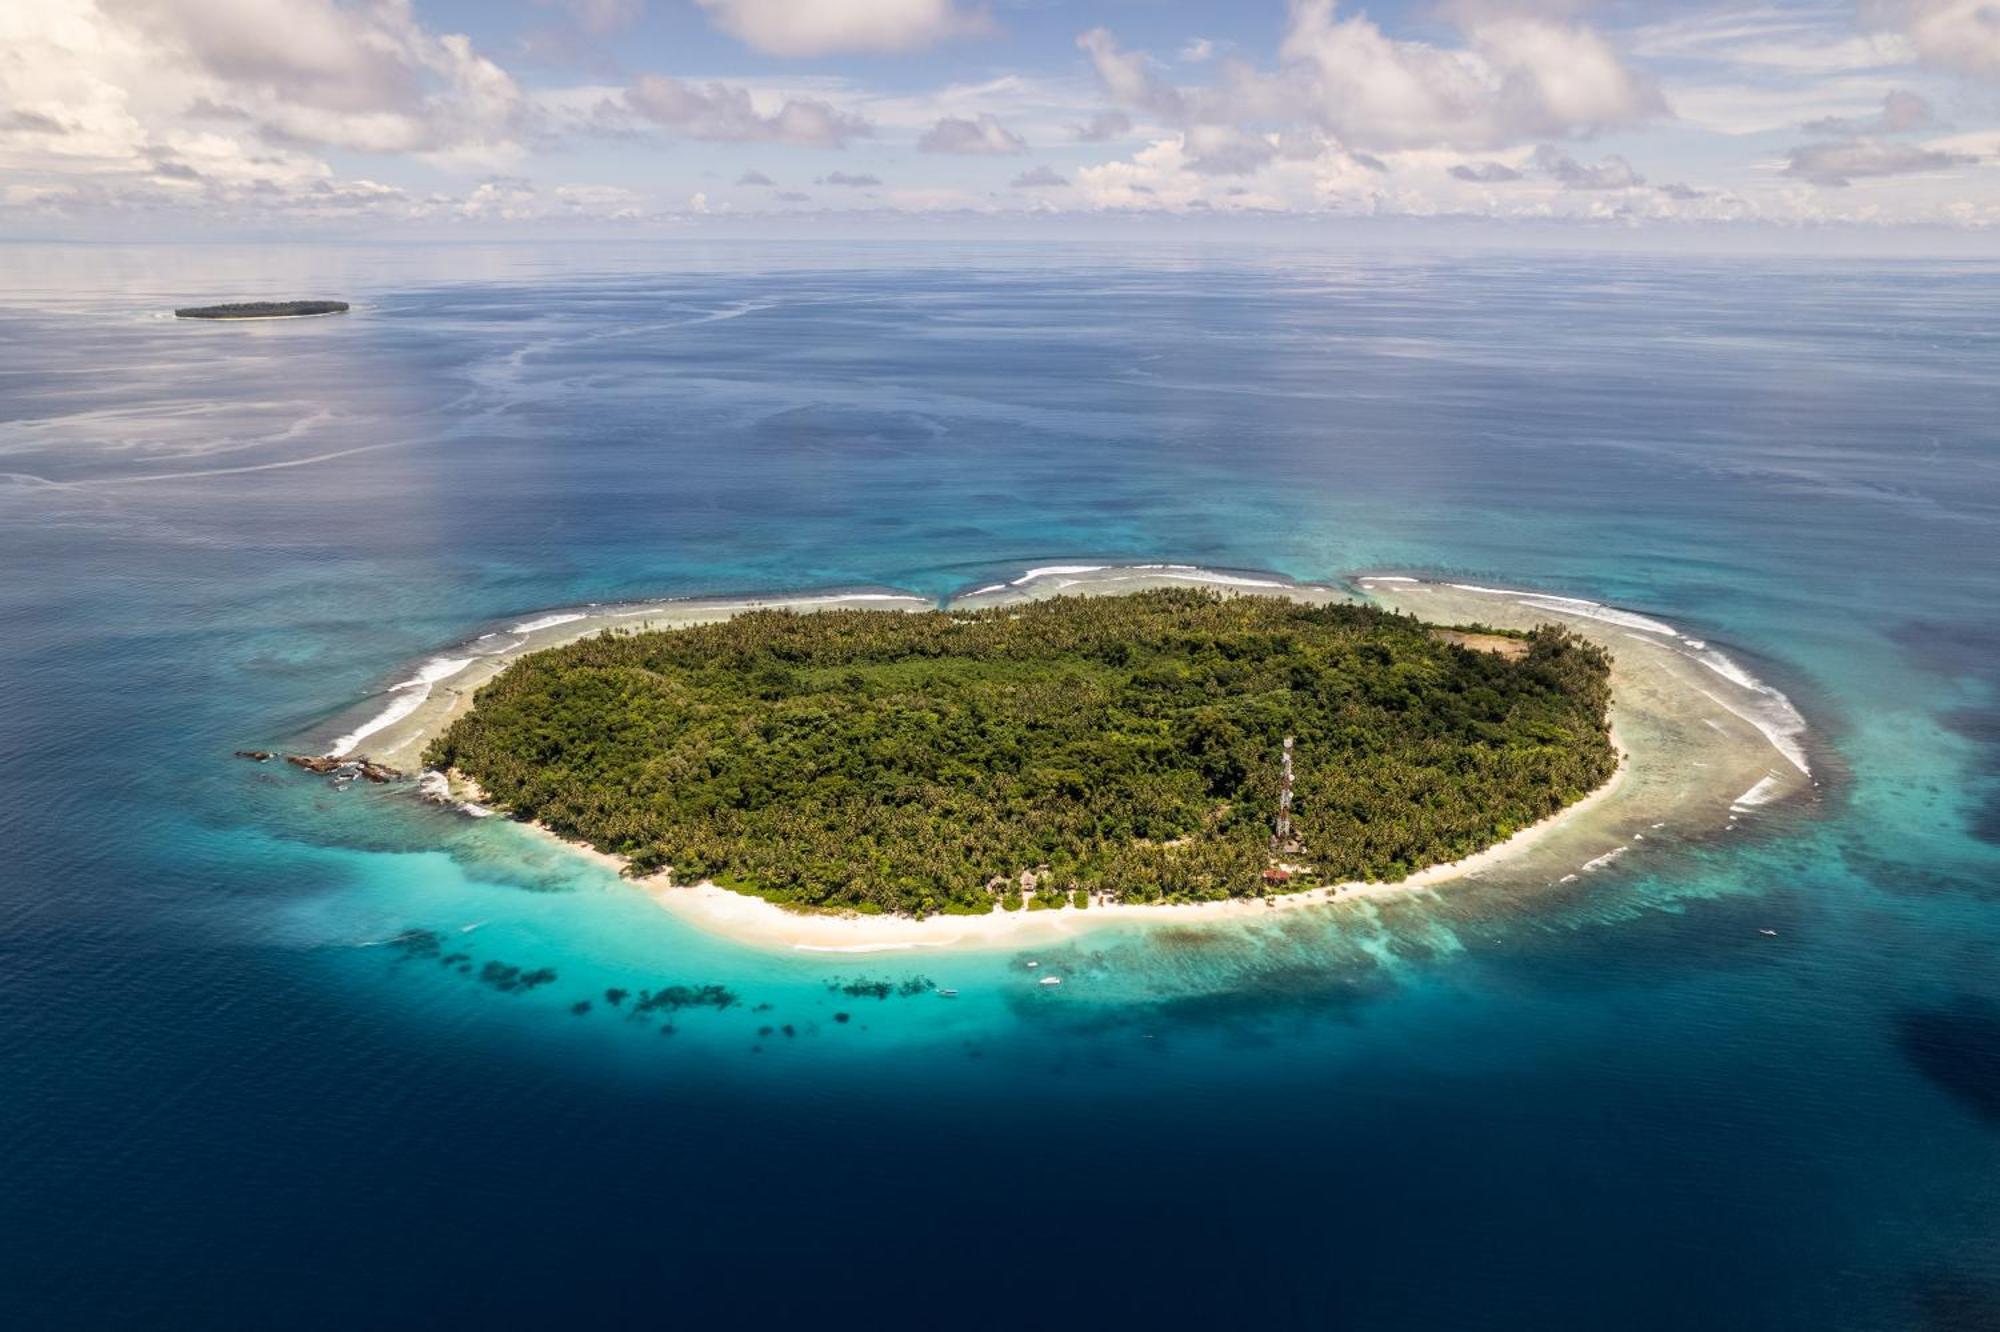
(1224, 150)
(1839, 163)
(1613, 173)
(156, 102)
(1961, 35)
(1739, 109)
(610, 203)
(1102, 126)
(1902, 111)
(1770, 41)
(726, 113)
(275, 109)
(1038, 178)
(825, 27)
(985, 136)
(1518, 77)
(1485, 173)
(369, 78)
(1129, 75)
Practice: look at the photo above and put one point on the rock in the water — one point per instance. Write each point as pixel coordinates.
(332, 765)
(256, 755)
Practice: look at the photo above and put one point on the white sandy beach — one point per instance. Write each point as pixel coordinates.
(1704, 746)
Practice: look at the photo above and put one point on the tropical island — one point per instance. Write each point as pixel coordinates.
(1170, 745)
(262, 310)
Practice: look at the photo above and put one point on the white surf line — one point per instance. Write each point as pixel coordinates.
(1226, 580)
(1125, 573)
(1590, 610)
(1052, 570)
(1760, 794)
(548, 621)
(410, 695)
(768, 603)
(1780, 740)
(1783, 731)
(904, 946)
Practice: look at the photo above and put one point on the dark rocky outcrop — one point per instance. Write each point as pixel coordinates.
(331, 765)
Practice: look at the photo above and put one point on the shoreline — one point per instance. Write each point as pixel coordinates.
(1701, 745)
(747, 918)
(254, 319)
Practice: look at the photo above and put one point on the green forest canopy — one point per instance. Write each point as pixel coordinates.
(901, 762)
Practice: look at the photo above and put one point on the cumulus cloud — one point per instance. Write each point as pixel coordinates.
(825, 27)
(1103, 126)
(31, 122)
(1962, 35)
(984, 137)
(1129, 76)
(850, 180)
(159, 103)
(1158, 178)
(1901, 113)
(727, 113)
(754, 178)
(1224, 150)
(1038, 178)
(1485, 173)
(792, 196)
(306, 72)
(1613, 173)
(1841, 162)
(1197, 50)
(1855, 150)
(1516, 77)
(1682, 192)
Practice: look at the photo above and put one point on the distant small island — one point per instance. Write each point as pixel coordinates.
(262, 310)
(1169, 745)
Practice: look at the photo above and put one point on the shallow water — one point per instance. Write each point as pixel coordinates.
(240, 1089)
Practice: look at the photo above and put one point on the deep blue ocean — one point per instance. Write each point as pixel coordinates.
(234, 1093)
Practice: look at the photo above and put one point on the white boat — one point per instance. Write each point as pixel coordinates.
(1052, 980)
(1033, 965)
(948, 994)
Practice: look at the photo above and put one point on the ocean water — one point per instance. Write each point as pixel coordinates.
(246, 1078)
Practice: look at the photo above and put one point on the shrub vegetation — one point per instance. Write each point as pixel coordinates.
(921, 762)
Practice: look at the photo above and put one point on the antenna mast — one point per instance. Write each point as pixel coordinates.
(1281, 832)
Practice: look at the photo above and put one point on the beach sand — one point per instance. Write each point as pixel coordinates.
(1705, 745)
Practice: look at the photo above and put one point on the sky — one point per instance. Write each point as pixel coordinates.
(491, 118)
